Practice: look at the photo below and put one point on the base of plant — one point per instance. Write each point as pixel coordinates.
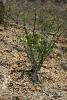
(33, 76)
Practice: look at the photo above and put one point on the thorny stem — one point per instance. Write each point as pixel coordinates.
(29, 51)
(34, 21)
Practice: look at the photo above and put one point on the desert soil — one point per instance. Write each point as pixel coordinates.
(13, 60)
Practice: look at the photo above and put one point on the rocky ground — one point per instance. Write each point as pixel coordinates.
(16, 86)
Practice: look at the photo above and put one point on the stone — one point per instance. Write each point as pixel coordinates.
(1, 78)
(18, 48)
(64, 66)
(42, 70)
(44, 65)
(15, 98)
(64, 49)
(1, 37)
(1, 28)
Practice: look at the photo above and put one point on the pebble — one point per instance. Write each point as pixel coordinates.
(1, 37)
(42, 70)
(18, 48)
(64, 66)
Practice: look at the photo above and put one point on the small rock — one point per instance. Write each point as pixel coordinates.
(28, 64)
(18, 48)
(1, 37)
(42, 70)
(15, 98)
(58, 52)
(1, 77)
(32, 88)
(20, 63)
(17, 75)
(38, 88)
(8, 50)
(64, 66)
(10, 84)
(64, 49)
(1, 28)
(44, 65)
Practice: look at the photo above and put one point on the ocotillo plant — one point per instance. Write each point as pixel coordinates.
(39, 45)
